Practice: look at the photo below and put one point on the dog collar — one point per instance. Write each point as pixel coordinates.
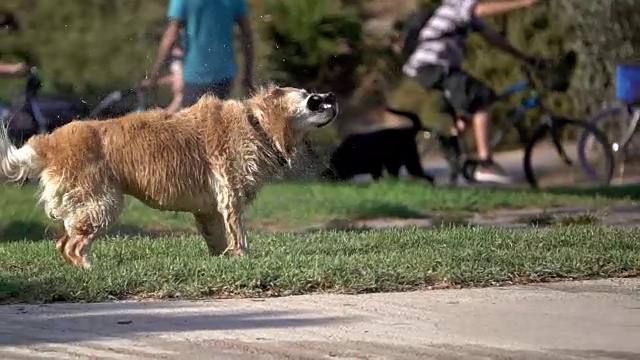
(253, 120)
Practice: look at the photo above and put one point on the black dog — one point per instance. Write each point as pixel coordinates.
(371, 153)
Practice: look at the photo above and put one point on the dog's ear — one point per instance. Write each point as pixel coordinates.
(276, 92)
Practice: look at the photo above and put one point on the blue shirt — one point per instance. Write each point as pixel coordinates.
(208, 37)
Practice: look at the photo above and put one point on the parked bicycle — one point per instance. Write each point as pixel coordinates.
(620, 121)
(558, 129)
(36, 115)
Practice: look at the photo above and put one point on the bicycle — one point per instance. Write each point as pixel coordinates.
(35, 115)
(538, 85)
(619, 121)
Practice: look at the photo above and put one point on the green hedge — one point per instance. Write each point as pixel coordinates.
(89, 47)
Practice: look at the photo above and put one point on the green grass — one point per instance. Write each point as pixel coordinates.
(325, 261)
(290, 205)
(143, 260)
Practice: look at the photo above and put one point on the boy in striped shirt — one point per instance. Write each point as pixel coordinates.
(436, 64)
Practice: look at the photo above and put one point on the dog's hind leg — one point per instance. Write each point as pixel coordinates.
(81, 234)
(230, 206)
(212, 228)
(87, 222)
(236, 232)
(60, 246)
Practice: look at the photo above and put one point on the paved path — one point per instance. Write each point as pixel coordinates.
(618, 216)
(546, 164)
(587, 320)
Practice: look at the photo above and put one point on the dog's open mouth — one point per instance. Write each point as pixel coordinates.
(323, 103)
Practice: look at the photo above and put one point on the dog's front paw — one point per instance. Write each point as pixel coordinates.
(235, 251)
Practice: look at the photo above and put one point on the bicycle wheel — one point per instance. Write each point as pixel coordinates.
(618, 123)
(548, 157)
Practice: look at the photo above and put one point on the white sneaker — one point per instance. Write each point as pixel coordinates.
(489, 171)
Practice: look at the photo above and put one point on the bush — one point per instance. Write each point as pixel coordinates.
(315, 43)
(87, 47)
(605, 33)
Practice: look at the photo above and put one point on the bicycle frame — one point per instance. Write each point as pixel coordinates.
(454, 149)
(633, 111)
(517, 113)
(118, 95)
(41, 123)
(537, 85)
(534, 101)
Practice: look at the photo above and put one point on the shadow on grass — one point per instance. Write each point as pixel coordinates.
(18, 230)
(29, 325)
(375, 210)
(8, 289)
(34, 231)
(369, 211)
(382, 211)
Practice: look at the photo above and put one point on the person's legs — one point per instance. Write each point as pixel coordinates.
(474, 99)
(481, 129)
(221, 89)
(192, 92)
(432, 77)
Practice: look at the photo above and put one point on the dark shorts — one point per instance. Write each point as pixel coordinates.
(465, 93)
(192, 92)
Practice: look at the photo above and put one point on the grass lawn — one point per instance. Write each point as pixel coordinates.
(288, 206)
(285, 264)
(142, 262)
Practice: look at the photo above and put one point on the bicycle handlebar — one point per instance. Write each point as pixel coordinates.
(34, 84)
(528, 71)
(540, 74)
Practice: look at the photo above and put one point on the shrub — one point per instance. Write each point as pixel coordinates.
(605, 33)
(315, 43)
(87, 47)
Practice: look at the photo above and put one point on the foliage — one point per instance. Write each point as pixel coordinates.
(606, 33)
(317, 43)
(86, 47)
(89, 47)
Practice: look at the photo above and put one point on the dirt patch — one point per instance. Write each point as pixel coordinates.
(621, 216)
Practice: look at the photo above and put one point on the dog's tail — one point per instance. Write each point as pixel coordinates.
(414, 118)
(17, 165)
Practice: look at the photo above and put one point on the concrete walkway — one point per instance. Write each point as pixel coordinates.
(547, 165)
(585, 320)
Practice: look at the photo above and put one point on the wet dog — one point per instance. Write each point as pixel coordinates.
(209, 159)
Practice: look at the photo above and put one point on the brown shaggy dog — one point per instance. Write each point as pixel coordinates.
(209, 159)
